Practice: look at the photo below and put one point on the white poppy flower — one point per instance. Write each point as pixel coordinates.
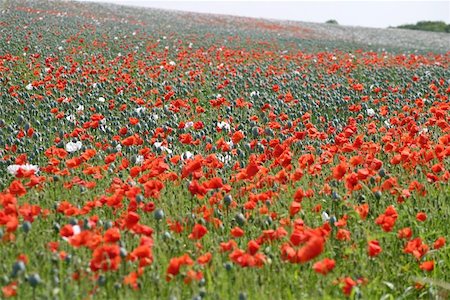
(76, 231)
(224, 125)
(13, 169)
(71, 118)
(139, 159)
(370, 112)
(159, 145)
(101, 99)
(325, 217)
(140, 109)
(224, 158)
(29, 87)
(423, 130)
(187, 155)
(73, 147)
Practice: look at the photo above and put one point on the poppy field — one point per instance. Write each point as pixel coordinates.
(147, 154)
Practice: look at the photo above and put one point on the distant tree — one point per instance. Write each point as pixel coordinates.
(332, 22)
(436, 26)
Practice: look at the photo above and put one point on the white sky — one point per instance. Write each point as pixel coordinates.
(359, 13)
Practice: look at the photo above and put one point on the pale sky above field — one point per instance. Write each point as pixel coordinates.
(357, 13)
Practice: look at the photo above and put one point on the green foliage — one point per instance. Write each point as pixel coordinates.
(332, 21)
(436, 26)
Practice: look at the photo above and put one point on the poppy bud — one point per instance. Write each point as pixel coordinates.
(335, 196)
(242, 296)
(378, 195)
(123, 252)
(228, 266)
(139, 198)
(332, 220)
(18, 267)
(158, 214)
(34, 280)
(240, 219)
(101, 280)
(227, 200)
(26, 226)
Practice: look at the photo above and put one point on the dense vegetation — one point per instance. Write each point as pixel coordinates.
(436, 26)
(144, 155)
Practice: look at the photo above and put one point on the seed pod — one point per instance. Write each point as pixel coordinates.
(158, 214)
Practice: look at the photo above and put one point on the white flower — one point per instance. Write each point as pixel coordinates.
(71, 118)
(187, 155)
(159, 145)
(172, 63)
(224, 158)
(230, 144)
(13, 169)
(190, 45)
(423, 130)
(224, 125)
(29, 87)
(254, 93)
(101, 99)
(325, 216)
(370, 112)
(60, 48)
(165, 149)
(80, 108)
(155, 117)
(140, 109)
(73, 147)
(139, 159)
(188, 124)
(119, 147)
(76, 230)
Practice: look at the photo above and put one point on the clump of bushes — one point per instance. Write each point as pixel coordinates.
(332, 22)
(437, 26)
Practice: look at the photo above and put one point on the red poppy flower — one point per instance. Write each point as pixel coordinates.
(427, 266)
(198, 232)
(374, 248)
(324, 266)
